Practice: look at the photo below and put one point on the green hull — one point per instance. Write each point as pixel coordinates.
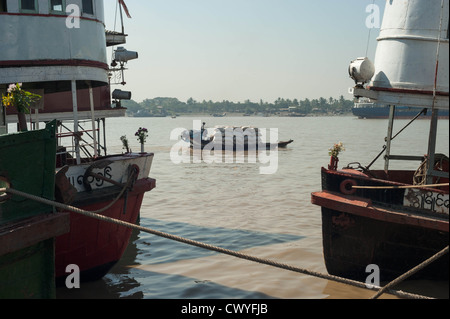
(28, 273)
(28, 228)
(27, 161)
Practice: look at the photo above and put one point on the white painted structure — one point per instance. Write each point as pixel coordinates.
(116, 170)
(412, 57)
(59, 47)
(411, 68)
(41, 45)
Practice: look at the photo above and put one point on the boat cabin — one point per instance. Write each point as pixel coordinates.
(58, 49)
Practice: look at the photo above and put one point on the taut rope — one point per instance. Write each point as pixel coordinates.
(214, 248)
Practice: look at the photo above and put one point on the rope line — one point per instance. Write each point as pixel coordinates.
(410, 273)
(130, 181)
(401, 186)
(240, 255)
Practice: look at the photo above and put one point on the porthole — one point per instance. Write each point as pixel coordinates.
(346, 187)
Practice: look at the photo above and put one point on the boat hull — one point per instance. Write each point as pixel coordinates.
(96, 246)
(382, 227)
(210, 145)
(401, 112)
(352, 242)
(27, 227)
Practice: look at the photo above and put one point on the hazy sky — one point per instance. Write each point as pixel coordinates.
(244, 49)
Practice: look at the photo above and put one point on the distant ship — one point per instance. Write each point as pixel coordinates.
(370, 110)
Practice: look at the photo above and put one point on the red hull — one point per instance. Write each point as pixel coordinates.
(93, 245)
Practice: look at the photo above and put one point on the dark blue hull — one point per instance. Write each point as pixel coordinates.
(402, 112)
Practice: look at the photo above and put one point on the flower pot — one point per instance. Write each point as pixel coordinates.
(22, 122)
(333, 163)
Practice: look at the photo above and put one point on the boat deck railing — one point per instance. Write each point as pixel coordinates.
(86, 141)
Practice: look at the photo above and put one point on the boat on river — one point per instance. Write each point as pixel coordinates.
(230, 138)
(394, 219)
(365, 109)
(69, 68)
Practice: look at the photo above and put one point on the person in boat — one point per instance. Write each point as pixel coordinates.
(204, 133)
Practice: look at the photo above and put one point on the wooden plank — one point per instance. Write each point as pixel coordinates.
(18, 235)
(361, 207)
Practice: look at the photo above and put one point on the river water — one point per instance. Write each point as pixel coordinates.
(235, 206)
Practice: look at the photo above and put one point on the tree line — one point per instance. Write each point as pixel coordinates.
(167, 106)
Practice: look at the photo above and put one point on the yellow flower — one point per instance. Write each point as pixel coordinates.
(19, 98)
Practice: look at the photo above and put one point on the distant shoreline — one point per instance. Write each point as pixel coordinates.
(244, 115)
(168, 107)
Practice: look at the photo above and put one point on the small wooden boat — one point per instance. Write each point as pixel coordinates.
(227, 138)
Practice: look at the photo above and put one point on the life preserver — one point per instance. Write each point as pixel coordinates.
(346, 187)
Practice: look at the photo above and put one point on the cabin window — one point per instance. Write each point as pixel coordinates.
(28, 6)
(88, 7)
(3, 7)
(57, 6)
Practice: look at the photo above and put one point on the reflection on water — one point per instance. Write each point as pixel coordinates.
(126, 279)
(233, 206)
(232, 239)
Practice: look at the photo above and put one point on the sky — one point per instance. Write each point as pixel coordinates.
(240, 50)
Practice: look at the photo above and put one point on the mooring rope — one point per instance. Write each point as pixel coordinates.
(240, 255)
(131, 179)
(410, 273)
